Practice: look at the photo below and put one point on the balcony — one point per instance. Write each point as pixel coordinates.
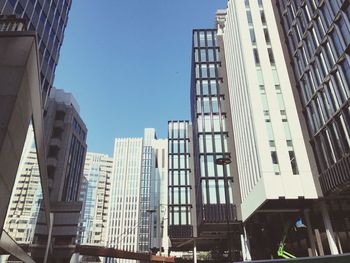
(55, 142)
(51, 161)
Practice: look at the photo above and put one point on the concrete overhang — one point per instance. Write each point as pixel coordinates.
(20, 103)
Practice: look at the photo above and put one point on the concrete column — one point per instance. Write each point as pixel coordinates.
(75, 258)
(194, 252)
(48, 244)
(319, 242)
(247, 246)
(329, 229)
(310, 233)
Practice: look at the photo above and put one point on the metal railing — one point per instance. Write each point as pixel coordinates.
(12, 23)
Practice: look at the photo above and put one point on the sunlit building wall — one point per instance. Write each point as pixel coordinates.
(95, 193)
(49, 20)
(272, 159)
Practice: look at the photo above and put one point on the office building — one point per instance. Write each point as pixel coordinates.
(123, 231)
(315, 38)
(95, 195)
(318, 38)
(26, 198)
(148, 188)
(216, 196)
(66, 146)
(277, 171)
(181, 204)
(49, 20)
(135, 213)
(160, 224)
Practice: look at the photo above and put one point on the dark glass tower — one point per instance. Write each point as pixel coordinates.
(49, 19)
(317, 34)
(210, 134)
(179, 184)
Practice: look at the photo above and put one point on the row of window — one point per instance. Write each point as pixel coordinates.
(214, 191)
(205, 38)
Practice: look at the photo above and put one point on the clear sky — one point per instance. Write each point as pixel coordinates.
(128, 62)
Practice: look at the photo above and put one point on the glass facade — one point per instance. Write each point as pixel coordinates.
(146, 190)
(210, 133)
(95, 192)
(179, 185)
(318, 38)
(49, 19)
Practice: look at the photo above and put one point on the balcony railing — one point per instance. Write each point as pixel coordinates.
(12, 23)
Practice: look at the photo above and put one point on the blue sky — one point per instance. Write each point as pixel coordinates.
(128, 64)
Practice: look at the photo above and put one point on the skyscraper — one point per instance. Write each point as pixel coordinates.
(49, 20)
(134, 209)
(181, 204)
(148, 186)
(160, 224)
(95, 193)
(318, 39)
(271, 156)
(276, 169)
(66, 146)
(217, 201)
(26, 198)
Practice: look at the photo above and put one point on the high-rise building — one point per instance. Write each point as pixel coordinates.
(272, 159)
(135, 213)
(181, 204)
(95, 195)
(277, 172)
(318, 38)
(159, 238)
(147, 190)
(49, 20)
(26, 198)
(66, 146)
(217, 200)
(124, 207)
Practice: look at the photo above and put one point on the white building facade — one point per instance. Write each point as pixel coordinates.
(272, 158)
(137, 208)
(123, 231)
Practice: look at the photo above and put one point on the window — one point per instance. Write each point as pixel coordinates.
(252, 36)
(203, 55)
(207, 123)
(211, 55)
(204, 71)
(212, 71)
(267, 36)
(344, 29)
(218, 145)
(215, 104)
(346, 71)
(249, 16)
(212, 191)
(263, 18)
(256, 56)
(205, 87)
(336, 41)
(216, 123)
(209, 143)
(275, 162)
(210, 166)
(206, 105)
(271, 56)
(213, 87)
